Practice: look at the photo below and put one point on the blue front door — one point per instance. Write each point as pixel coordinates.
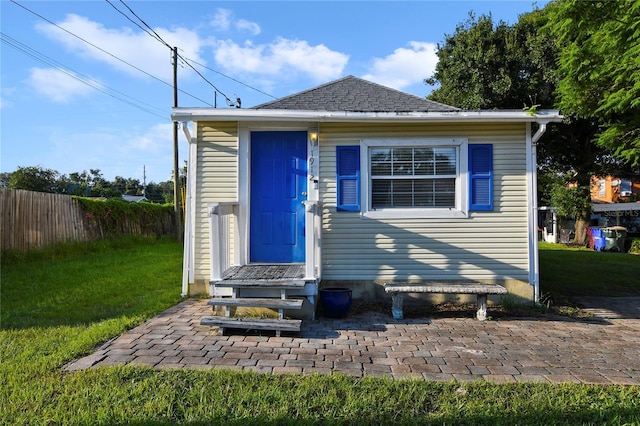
(278, 188)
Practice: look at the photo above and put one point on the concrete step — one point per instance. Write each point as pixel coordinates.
(261, 284)
(270, 303)
(252, 324)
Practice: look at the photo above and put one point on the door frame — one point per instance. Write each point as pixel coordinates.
(244, 172)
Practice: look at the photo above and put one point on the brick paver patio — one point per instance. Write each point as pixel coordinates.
(600, 350)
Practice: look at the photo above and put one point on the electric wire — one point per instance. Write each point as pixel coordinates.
(110, 54)
(116, 94)
(229, 101)
(145, 24)
(134, 22)
(156, 36)
(229, 77)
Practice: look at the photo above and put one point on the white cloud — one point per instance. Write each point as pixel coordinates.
(221, 20)
(280, 58)
(4, 93)
(57, 85)
(405, 66)
(136, 48)
(249, 26)
(224, 19)
(153, 140)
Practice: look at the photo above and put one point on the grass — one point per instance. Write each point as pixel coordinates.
(61, 304)
(98, 282)
(566, 272)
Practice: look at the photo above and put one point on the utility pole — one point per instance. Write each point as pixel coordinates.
(176, 172)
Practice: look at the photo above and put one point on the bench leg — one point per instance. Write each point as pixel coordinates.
(482, 307)
(396, 305)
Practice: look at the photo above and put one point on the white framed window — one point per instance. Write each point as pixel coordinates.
(602, 188)
(414, 178)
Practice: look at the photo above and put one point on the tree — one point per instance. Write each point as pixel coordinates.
(599, 68)
(571, 202)
(36, 178)
(86, 183)
(4, 179)
(127, 186)
(486, 65)
(160, 192)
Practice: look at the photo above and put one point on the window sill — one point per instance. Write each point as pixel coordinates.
(415, 214)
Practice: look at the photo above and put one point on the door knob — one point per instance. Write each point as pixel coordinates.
(304, 194)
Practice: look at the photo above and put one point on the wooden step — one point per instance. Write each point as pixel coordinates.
(261, 284)
(270, 303)
(252, 323)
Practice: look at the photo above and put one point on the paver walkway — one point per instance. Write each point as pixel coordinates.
(506, 350)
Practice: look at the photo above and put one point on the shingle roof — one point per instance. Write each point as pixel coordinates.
(356, 95)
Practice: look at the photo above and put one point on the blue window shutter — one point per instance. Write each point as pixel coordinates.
(481, 177)
(348, 178)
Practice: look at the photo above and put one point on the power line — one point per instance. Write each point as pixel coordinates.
(157, 37)
(145, 24)
(108, 53)
(229, 101)
(116, 94)
(229, 77)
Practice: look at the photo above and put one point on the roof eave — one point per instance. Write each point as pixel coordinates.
(228, 114)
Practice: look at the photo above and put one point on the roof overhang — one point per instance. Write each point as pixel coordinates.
(483, 116)
(615, 207)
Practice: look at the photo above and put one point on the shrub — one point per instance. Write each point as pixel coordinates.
(114, 217)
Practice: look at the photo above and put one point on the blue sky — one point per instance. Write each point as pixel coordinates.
(83, 87)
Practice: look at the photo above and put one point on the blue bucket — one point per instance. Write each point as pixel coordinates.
(335, 301)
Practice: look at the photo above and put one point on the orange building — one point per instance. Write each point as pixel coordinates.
(612, 189)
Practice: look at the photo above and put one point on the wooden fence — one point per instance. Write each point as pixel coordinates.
(31, 220)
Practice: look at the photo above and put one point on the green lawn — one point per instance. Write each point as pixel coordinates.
(570, 271)
(61, 304)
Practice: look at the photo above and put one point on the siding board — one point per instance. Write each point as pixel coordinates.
(216, 181)
(488, 245)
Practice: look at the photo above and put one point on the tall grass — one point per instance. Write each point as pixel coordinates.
(58, 306)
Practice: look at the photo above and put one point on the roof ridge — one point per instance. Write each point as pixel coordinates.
(352, 93)
(329, 83)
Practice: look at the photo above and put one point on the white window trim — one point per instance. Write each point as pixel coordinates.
(460, 211)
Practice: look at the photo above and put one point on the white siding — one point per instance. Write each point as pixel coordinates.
(216, 181)
(486, 246)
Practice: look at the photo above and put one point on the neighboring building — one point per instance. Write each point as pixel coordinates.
(613, 202)
(134, 198)
(361, 185)
(614, 189)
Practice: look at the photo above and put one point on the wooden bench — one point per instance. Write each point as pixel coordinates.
(398, 290)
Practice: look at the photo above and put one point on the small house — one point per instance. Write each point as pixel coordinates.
(354, 184)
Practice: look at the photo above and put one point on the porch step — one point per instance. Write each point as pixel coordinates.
(252, 323)
(261, 284)
(270, 303)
